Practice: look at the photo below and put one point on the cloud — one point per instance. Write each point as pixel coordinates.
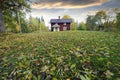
(66, 4)
(51, 9)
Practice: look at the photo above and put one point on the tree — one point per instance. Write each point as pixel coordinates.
(66, 17)
(42, 19)
(100, 17)
(118, 21)
(74, 26)
(10, 23)
(110, 20)
(12, 6)
(37, 24)
(95, 22)
(90, 22)
(2, 25)
(25, 27)
(33, 24)
(42, 25)
(81, 26)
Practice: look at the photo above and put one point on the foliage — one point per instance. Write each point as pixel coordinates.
(118, 21)
(74, 26)
(10, 9)
(104, 20)
(37, 24)
(109, 26)
(11, 23)
(100, 17)
(33, 24)
(43, 27)
(71, 55)
(24, 26)
(82, 26)
(90, 22)
(94, 21)
(66, 17)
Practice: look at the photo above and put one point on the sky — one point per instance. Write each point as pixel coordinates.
(77, 9)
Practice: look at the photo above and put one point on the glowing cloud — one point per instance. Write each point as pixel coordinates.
(66, 4)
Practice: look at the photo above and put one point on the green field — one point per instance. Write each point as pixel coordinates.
(70, 55)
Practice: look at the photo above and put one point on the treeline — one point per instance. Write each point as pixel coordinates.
(13, 17)
(102, 21)
(13, 13)
(34, 25)
(20, 23)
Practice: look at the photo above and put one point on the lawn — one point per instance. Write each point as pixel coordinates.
(70, 55)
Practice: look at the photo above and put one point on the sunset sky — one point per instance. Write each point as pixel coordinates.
(77, 9)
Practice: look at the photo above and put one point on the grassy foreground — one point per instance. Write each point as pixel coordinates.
(60, 56)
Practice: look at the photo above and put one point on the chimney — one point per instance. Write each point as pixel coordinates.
(59, 17)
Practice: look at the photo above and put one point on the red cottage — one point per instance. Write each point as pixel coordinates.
(60, 24)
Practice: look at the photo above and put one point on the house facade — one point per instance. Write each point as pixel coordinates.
(60, 24)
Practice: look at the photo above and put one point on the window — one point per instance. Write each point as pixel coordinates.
(64, 24)
(64, 28)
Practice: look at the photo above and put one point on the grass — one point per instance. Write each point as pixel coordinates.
(71, 55)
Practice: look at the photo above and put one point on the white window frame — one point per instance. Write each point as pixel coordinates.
(64, 28)
(64, 24)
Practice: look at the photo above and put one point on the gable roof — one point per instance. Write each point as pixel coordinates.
(61, 21)
(56, 25)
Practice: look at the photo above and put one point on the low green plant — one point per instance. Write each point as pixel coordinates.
(72, 55)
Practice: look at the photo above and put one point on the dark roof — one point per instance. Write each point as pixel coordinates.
(61, 21)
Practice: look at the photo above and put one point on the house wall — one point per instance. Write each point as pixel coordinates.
(51, 26)
(68, 25)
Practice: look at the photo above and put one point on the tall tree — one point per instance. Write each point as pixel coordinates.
(100, 17)
(90, 22)
(117, 24)
(43, 27)
(33, 24)
(37, 24)
(66, 17)
(81, 26)
(42, 19)
(74, 26)
(12, 6)
(10, 22)
(118, 21)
